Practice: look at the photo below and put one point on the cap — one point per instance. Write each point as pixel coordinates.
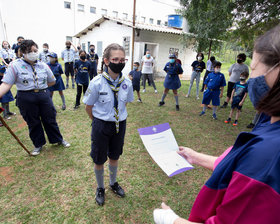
(172, 56)
(52, 54)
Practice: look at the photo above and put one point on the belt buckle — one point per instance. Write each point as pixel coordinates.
(36, 90)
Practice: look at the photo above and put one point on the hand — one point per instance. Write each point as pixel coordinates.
(230, 100)
(164, 215)
(240, 104)
(187, 153)
(221, 95)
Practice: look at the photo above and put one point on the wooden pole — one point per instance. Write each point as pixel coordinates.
(209, 53)
(133, 34)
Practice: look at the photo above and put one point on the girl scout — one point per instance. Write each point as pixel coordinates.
(106, 100)
(32, 79)
(172, 81)
(6, 53)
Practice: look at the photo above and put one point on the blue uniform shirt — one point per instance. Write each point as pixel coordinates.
(136, 76)
(215, 81)
(100, 95)
(173, 68)
(68, 55)
(43, 56)
(21, 73)
(56, 68)
(82, 75)
(7, 54)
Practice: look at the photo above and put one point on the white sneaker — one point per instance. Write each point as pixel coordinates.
(144, 90)
(187, 95)
(156, 91)
(36, 151)
(197, 98)
(65, 144)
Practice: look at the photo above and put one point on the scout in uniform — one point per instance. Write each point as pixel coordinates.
(135, 77)
(57, 71)
(43, 56)
(6, 53)
(68, 56)
(215, 83)
(92, 57)
(106, 100)
(172, 81)
(32, 78)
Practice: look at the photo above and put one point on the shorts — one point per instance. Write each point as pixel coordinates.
(136, 87)
(230, 88)
(213, 95)
(105, 142)
(235, 104)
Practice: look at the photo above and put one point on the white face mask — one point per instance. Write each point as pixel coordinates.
(199, 58)
(217, 70)
(45, 49)
(6, 46)
(32, 56)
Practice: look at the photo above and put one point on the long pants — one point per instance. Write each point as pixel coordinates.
(150, 78)
(69, 68)
(80, 88)
(195, 76)
(37, 109)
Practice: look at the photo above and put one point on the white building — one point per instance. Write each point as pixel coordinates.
(158, 39)
(55, 21)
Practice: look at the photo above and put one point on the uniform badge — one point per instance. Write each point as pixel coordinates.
(25, 82)
(124, 86)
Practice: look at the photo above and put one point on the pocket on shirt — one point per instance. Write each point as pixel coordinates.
(105, 103)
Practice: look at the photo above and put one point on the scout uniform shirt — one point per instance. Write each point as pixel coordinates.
(7, 54)
(26, 78)
(68, 55)
(43, 56)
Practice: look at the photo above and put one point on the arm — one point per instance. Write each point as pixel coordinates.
(222, 91)
(4, 88)
(242, 101)
(232, 94)
(2, 59)
(89, 111)
(76, 50)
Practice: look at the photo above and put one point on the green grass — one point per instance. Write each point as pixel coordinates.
(58, 186)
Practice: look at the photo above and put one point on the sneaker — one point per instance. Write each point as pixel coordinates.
(228, 120)
(36, 151)
(76, 107)
(161, 103)
(177, 107)
(63, 107)
(144, 90)
(7, 117)
(235, 123)
(156, 91)
(197, 97)
(65, 144)
(224, 105)
(139, 100)
(251, 125)
(100, 196)
(214, 116)
(67, 86)
(73, 86)
(187, 96)
(116, 188)
(11, 113)
(202, 113)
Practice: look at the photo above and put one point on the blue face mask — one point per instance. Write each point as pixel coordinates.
(172, 60)
(148, 55)
(135, 68)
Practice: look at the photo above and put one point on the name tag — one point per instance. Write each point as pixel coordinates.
(103, 93)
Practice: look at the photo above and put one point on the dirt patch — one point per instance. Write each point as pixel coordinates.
(6, 174)
(172, 113)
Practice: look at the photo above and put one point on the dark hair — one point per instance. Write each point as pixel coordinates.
(92, 45)
(200, 53)
(7, 42)
(20, 37)
(245, 74)
(46, 45)
(217, 64)
(242, 56)
(26, 46)
(212, 58)
(136, 63)
(67, 42)
(268, 46)
(82, 51)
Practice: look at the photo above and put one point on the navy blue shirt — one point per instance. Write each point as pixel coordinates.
(198, 66)
(173, 68)
(56, 68)
(82, 75)
(136, 76)
(92, 58)
(240, 90)
(215, 81)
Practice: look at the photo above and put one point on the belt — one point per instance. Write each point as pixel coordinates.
(213, 90)
(33, 90)
(69, 63)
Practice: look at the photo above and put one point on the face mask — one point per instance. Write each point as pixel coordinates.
(239, 61)
(78, 48)
(217, 70)
(32, 56)
(68, 47)
(135, 68)
(116, 68)
(92, 50)
(242, 79)
(83, 57)
(257, 87)
(199, 58)
(148, 55)
(52, 60)
(5, 46)
(172, 60)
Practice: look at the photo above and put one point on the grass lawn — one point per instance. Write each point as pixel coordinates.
(58, 186)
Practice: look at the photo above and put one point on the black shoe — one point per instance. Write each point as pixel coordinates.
(161, 103)
(116, 188)
(11, 113)
(224, 105)
(251, 125)
(177, 107)
(100, 196)
(76, 107)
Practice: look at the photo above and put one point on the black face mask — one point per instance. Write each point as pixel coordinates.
(68, 47)
(116, 68)
(239, 61)
(92, 49)
(78, 48)
(242, 79)
(83, 57)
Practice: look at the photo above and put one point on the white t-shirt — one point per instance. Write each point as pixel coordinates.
(236, 69)
(147, 67)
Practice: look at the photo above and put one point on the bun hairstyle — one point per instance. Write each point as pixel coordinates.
(268, 46)
(26, 46)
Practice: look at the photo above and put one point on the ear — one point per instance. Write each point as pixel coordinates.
(106, 61)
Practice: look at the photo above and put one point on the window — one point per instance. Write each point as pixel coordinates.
(67, 5)
(88, 44)
(115, 14)
(84, 46)
(104, 12)
(166, 23)
(81, 8)
(158, 22)
(126, 45)
(99, 48)
(69, 38)
(93, 10)
(143, 19)
(125, 15)
(151, 21)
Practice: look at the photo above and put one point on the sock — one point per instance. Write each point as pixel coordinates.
(204, 108)
(229, 118)
(113, 174)
(214, 110)
(67, 81)
(163, 97)
(5, 112)
(8, 108)
(72, 78)
(99, 174)
(63, 99)
(177, 100)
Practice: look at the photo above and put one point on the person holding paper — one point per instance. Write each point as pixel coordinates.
(245, 184)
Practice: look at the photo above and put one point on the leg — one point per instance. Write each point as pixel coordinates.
(145, 76)
(67, 74)
(175, 92)
(165, 92)
(78, 96)
(230, 113)
(197, 84)
(72, 75)
(191, 83)
(63, 100)
(237, 114)
(150, 77)
(85, 89)
(51, 94)
(138, 95)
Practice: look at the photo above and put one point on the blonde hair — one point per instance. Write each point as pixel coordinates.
(109, 48)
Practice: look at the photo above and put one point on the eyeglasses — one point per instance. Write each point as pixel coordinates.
(117, 60)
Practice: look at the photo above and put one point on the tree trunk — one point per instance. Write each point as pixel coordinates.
(210, 46)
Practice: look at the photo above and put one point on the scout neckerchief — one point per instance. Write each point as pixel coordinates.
(35, 77)
(115, 90)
